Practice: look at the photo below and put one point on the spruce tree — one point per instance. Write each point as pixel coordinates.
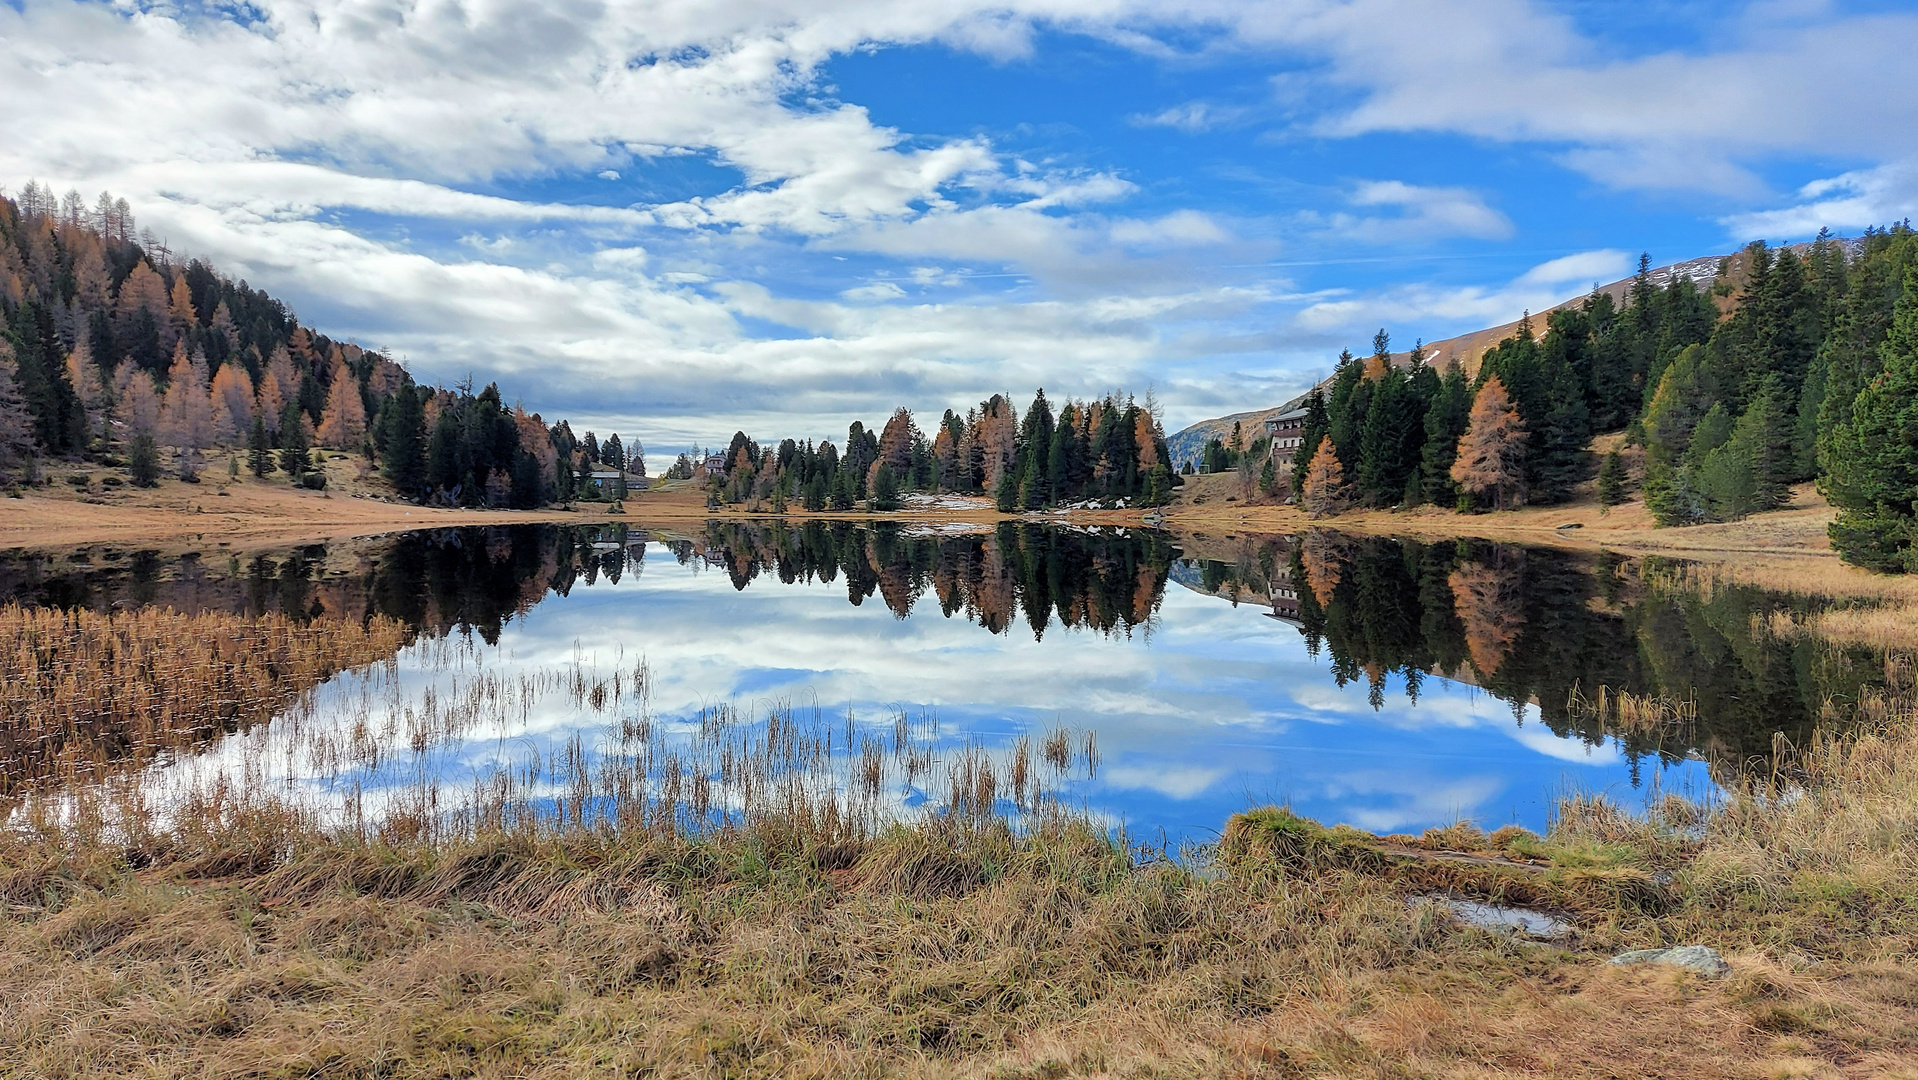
(1850, 358)
(402, 437)
(1445, 421)
(1612, 480)
(1318, 425)
(143, 461)
(885, 489)
(1345, 410)
(294, 442)
(1388, 442)
(1871, 459)
(16, 419)
(259, 459)
(1613, 398)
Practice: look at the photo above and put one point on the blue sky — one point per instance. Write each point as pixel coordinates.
(677, 218)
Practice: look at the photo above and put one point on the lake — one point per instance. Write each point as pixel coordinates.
(1154, 682)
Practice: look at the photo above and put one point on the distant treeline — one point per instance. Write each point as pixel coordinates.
(1793, 366)
(1104, 451)
(111, 350)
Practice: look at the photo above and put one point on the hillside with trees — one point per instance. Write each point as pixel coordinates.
(112, 351)
(1795, 365)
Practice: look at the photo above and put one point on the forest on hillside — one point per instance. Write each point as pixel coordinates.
(112, 351)
(1109, 452)
(1796, 365)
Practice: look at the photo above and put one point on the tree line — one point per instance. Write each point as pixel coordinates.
(112, 351)
(1794, 365)
(1107, 451)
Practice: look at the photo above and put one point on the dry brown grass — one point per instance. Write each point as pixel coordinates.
(1877, 611)
(81, 690)
(937, 951)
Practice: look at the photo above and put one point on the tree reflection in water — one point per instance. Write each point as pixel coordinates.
(1536, 626)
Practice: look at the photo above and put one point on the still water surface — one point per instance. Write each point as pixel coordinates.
(1390, 685)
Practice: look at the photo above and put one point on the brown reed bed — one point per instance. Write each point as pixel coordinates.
(84, 691)
(745, 896)
(1860, 608)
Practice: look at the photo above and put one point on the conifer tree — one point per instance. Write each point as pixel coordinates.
(1449, 414)
(296, 440)
(143, 460)
(59, 422)
(1612, 479)
(232, 404)
(89, 390)
(1491, 452)
(1324, 491)
(1389, 438)
(16, 420)
(885, 488)
(343, 422)
(844, 493)
(1872, 458)
(402, 440)
(186, 412)
(1345, 410)
(258, 458)
(138, 404)
(1850, 358)
(1317, 426)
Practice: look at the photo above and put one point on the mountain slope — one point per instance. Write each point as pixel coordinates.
(1187, 444)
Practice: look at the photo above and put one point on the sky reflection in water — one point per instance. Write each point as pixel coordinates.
(1207, 710)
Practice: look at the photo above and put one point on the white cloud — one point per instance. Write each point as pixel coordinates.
(1424, 213)
(1847, 202)
(1543, 286)
(1192, 117)
(878, 290)
(1584, 267)
(1514, 71)
(1181, 227)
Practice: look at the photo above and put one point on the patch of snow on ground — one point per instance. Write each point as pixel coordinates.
(920, 502)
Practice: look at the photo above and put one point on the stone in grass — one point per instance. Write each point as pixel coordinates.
(1702, 959)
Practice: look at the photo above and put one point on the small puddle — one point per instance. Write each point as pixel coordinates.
(1506, 920)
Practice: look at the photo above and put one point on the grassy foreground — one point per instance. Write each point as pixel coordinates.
(248, 942)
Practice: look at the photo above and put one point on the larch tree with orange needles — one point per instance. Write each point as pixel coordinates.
(1491, 453)
(1325, 491)
(343, 424)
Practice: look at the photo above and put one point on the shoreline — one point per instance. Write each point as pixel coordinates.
(241, 514)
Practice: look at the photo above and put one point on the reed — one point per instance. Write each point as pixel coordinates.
(82, 691)
(1649, 716)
